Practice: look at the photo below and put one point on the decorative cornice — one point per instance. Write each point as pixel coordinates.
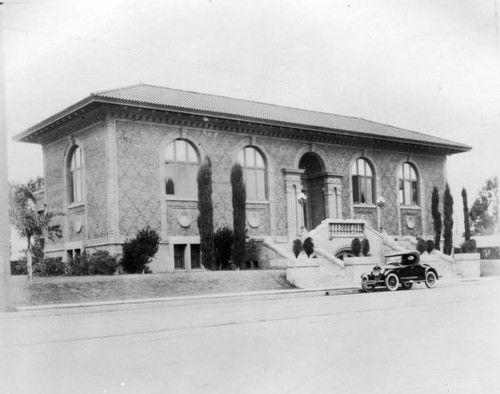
(96, 112)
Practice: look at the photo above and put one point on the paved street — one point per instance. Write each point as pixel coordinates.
(444, 340)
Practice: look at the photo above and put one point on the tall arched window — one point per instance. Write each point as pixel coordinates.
(181, 169)
(408, 185)
(362, 182)
(254, 173)
(76, 172)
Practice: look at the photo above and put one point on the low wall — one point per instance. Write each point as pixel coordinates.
(468, 265)
(357, 266)
(490, 268)
(303, 272)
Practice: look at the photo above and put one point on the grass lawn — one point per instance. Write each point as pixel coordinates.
(62, 290)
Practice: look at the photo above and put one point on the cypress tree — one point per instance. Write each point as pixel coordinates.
(447, 221)
(239, 215)
(466, 215)
(206, 214)
(436, 216)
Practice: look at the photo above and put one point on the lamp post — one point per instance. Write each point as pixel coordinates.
(301, 199)
(380, 205)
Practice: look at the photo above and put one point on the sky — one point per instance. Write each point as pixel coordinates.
(424, 65)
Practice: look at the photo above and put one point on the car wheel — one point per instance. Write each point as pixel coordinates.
(392, 282)
(430, 279)
(407, 286)
(366, 287)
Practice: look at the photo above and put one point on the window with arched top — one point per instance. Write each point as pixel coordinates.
(363, 186)
(408, 185)
(76, 175)
(254, 173)
(181, 169)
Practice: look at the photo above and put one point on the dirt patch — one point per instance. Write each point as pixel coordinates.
(59, 290)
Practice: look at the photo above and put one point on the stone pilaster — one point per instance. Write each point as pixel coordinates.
(294, 211)
(332, 189)
(112, 180)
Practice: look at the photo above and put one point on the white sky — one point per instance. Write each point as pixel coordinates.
(425, 65)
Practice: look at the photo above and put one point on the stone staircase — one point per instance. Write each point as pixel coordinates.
(324, 270)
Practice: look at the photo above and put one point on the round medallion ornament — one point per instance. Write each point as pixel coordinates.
(410, 222)
(253, 219)
(184, 218)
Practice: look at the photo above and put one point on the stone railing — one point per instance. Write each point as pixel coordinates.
(344, 228)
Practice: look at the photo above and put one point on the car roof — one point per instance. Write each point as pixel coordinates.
(403, 253)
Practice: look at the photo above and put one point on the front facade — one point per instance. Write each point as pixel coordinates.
(125, 159)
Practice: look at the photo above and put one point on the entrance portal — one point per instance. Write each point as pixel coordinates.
(312, 184)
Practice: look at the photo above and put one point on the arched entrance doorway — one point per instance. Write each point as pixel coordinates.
(312, 184)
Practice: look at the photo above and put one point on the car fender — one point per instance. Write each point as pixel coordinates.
(431, 269)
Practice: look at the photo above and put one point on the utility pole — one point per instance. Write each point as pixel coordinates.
(4, 187)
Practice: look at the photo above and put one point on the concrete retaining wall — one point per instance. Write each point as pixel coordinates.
(467, 265)
(490, 267)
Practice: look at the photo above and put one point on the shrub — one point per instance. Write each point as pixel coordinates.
(102, 263)
(356, 246)
(447, 221)
(18, 267)
(297, 247)
(50, 266)
(79, 265)
(252, 252)
(365, 246)
(223, 242)
(421, 245)
(430, 246)
(138, 252)
(239, 215)
(469, 246)
(309, 246)
(206, 216)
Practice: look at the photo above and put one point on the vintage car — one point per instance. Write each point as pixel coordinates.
(400, 269)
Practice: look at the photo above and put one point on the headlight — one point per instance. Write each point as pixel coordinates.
(377, 271)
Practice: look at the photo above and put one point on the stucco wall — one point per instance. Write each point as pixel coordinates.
(90, 214)
(140, 191)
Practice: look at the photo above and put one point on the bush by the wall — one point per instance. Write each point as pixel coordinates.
(421, 245)
(356, 246)
(223, 241)
(309, 246)
(79, 265)
(469, 246)
(102, 263)
(139, 251)
(430, 246)
(18, 267)
(297, 247)
(50, 266)
(365, 247)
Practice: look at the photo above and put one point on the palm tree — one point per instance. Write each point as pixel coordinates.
(28, 222)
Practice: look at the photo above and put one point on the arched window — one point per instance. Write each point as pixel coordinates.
(408, 185)
(76, 170)
(362, 182)
(254, 173)
(181, 169)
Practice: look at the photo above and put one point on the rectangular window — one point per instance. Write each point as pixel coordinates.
(407, 192)
(170, 178)
(179, 256)
(195, 256)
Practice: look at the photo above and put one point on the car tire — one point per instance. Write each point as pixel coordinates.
(366, 287)
(407, 286)
(430, 279)
(392, 282)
